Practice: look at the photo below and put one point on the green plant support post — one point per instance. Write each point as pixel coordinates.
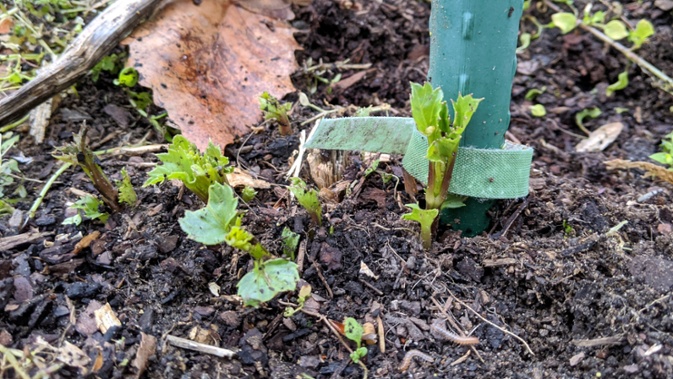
(473, 50)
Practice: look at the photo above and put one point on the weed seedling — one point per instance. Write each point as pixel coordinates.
(273, 109)
(307, 198)
(353, 331)
(290, 242)
(431, 114)
(90, 206)
(9, 168)
(665, 156)
(248, 193)
(197, 171)
(220, 222)
(304, 293)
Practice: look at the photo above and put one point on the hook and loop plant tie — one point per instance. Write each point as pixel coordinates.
(480, 173)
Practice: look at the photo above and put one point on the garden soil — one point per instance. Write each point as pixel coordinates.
(573, 281)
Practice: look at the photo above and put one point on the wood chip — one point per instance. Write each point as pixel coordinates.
(600, 138)
(147, 348)
(200, 347)
(106, 318)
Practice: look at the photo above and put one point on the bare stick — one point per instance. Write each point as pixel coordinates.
(96, 40)
(200, 347)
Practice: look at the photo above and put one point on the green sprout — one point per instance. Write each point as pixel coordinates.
(273, 109)
(538, 110)
(197, 171)
(665, 156)
(290, 242)
(9, 168)
(431, 114)
(353, 331)
(307, 198)
(248, 193)
(128, 77)
(621, 83)
(90, 206)
(127, 195)
(220, 222)
(643, 31)
(304, 294)
(110, 63)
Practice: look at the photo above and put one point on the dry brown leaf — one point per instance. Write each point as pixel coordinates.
(147, 348)
(85, 242)
(651, 168)
(279, 9)
(600, 138)
(73, 356)
(240, 178)
(208, 64)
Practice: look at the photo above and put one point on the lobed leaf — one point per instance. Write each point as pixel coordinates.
(426, 106)
(211, 224)
(267, 280)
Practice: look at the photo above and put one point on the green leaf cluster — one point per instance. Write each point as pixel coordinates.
(353, 331)
(128, 77)
(197, 171)
(218, 222)
(110, 63)
(665, 156)
(643, 31)
(90, 206)
(127, 195)
(307, 198)
(248, 193)
(290, 242)
(273, 109)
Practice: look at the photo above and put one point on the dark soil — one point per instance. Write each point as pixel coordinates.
(589, 303)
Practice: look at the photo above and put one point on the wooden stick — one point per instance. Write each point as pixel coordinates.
(96, 40)
(200, 347)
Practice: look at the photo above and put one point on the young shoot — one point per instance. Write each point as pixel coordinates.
(220, 222)
(90, 206)
(354, 331)
(197, 171)
(431, 114)
(307, 198)
(273, 109)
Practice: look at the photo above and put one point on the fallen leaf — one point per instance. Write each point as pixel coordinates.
(600, 138)
(85, 242)
(147, 348)
(208, 64)
(279, 9)
(365, 270)
(73, 356)
(240, 178)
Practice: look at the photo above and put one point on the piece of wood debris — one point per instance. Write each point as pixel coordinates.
(200, 347)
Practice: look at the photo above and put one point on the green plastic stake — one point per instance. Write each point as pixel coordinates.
(472, 50)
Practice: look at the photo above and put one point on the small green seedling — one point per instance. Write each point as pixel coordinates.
(111, 63)
(273, 109)
(197, 171)
(220, 222)
(534, 92)
(307, 198)
(665, 156)
(565, 21)
(353, 331)
(127, 195)
(248, 193)
(290, 242)
(431, 114)
(584, 114)
(79, 154)
(90, 206)
(128, 77)
(621, 83)
(304, 294)
(538, 110)
(643, 31)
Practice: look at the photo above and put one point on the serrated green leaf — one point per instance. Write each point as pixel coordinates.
(621, 83)
(564, 21)
(616, 30)
(643, 31)
(197, 171)
(464, 108)
(307, 198)
(266, 280)
(426, 106)
(127, 194)
(91, 207)
(210, 225)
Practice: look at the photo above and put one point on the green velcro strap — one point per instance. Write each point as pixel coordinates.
(481, 173)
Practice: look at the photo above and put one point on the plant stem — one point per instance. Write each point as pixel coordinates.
(43, 192)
